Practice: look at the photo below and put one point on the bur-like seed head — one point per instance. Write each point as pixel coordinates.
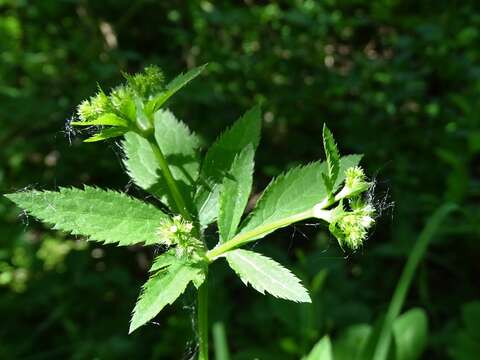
(178, 232)
(355, 181)
(94, 107)
(354, 225)
(147, 83)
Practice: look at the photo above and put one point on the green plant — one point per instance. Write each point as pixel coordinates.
(162, 157)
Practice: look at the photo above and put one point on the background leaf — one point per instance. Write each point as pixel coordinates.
(322, 350)
(235, 192)
(101, 215)
(266, 275)
(218, 161)
(410, 333)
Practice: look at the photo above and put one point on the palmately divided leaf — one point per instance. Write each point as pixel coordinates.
(101, 215)
(163, 288)
(266, 275)
(294, 192)
(333, 158)
(235, 192)
(218, 160)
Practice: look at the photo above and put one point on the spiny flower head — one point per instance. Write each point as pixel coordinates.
(355, 183)
(351, 227)
(91, 109)
(178, 232)
(146, 84)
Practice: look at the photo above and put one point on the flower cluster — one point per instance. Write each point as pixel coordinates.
(178, 232)
(126, 107)
(351, 227)
(349, 224)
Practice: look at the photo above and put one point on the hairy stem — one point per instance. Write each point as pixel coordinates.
(202, 319)
(257, 232)
(171, 183)
(202, 295)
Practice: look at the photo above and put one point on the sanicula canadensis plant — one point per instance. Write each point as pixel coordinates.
(162, 157)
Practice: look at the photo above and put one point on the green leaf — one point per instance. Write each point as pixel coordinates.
(163, 288)
(142, 165)
(107, 134)
(163, 260)
(218, 161)
(101, 215)
(351, 342)
(410, 332)
(292, 193)
(105, 120)
(466, 342)
(179, 146)
(266, 275)
(173, 86)
(322, 350)
(333, 158)
(236, 189)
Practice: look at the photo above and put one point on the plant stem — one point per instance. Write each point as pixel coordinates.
(202, 295)
(202, 318)
(398, 298)
(253, 234)
(167, 174)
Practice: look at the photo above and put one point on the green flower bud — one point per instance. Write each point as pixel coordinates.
(355, 183)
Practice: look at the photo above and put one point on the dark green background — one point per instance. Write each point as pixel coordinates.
(396, 80)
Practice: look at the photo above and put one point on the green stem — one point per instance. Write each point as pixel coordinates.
(202, 296)
(255, 233)
(398, 298)
(167, 174)
(202, 318)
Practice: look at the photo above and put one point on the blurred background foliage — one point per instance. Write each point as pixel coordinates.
(395, 80)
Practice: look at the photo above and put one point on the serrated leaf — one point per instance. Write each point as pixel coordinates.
(322, 350)
(235, 192)
(178, 145)
(266, 275)
(101, 215)
(218, 160)
(142, 165)
(163, 288)
(410, 333)
(333, 158)
(107, 134)
(292, 193)
(163, 260)
(109, 119)
(175, 85)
